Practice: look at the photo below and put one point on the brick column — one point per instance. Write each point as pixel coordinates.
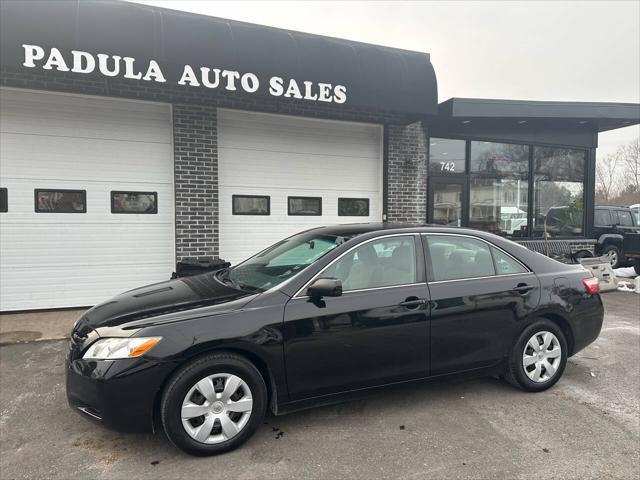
(407, 173)
(195, 146)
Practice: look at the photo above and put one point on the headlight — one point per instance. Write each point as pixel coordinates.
(115, 348)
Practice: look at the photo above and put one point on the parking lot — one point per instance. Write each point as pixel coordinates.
(588, 426)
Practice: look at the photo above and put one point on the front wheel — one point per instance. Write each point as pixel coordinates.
(213, 404)
(538, 357)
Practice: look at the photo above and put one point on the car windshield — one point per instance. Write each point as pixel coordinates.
(280, 262)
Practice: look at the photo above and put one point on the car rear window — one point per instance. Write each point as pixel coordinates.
(624, 218)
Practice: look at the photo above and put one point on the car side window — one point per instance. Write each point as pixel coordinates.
(602, 217)
(624, 218)
(506, 265)
(454, 257)
(380, 263)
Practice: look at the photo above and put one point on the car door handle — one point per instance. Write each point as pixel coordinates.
(413, 302)
(523, 288)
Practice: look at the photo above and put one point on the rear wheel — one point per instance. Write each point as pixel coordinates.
(538, 357)
(213, 404)
(613, 255)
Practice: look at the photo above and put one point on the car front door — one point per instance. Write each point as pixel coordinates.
(375, 333)
(478, 295)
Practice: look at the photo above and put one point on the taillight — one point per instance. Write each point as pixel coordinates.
(592, 284)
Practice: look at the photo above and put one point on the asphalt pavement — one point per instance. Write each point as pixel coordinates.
(587, 426)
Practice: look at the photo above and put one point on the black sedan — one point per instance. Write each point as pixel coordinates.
(323, 316)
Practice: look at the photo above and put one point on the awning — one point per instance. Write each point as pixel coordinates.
(597, 116)
(375, 77)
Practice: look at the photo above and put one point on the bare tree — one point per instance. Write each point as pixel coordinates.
(629, 156)
(607, 179)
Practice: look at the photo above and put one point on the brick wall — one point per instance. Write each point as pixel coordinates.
(407, 173)
(195, 145)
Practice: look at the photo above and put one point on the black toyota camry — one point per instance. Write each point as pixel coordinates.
(320, 317)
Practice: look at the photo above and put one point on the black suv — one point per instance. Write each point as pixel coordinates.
(610, 225)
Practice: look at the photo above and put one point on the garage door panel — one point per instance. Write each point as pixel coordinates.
(93, 117)
(235, 123)
(79, 244)
(98, 194)
(299, 157)
(305, 144)
(80, 158)
(52, 260)
(73, 287)
(288, 170)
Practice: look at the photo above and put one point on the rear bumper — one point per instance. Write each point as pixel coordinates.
(586, 321)
(118, 394)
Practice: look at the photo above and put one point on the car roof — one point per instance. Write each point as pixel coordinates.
(613, 206)
(355, 229)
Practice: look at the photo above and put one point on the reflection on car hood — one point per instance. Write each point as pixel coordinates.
(160, 299)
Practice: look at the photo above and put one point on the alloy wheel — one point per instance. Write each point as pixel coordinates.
(542, 356)
(612, 256)
(217, 408)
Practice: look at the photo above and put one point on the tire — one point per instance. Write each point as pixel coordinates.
(517, 374)
(615, 255)
(636, 266)
(204, 435)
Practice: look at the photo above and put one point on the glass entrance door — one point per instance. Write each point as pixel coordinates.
(446, 197)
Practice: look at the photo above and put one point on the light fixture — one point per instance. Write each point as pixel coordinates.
(466, 121)
(582, 122)
(522, 122)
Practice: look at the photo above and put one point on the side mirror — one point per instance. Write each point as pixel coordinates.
(325, 287)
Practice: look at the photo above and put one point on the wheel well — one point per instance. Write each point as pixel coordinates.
(251, 357)
(564, 326)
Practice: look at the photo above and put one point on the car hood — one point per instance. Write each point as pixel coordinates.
(136, 307)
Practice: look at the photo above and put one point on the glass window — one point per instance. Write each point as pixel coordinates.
(353, 207)
(134, 202)
(379, 263)
(558, 192)
(635, 209)
(251, 205)
(305, 205)
(281, 261)
(447, 203)
(446, 155)
(4, 200)
(505, 264)
(60, 201)
(624, 218)
(499, 158)
(454, 257)
(602, 217)
(499, 205)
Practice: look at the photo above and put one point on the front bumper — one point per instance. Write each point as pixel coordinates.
(119, 394)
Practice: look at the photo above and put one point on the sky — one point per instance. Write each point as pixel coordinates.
(535, 50)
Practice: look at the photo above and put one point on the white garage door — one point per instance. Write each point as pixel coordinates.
(92, 144)
(282, 156)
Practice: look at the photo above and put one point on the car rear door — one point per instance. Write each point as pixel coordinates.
(479, 296)
(377, 332)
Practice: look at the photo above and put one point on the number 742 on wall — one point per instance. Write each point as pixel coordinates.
(447, 166)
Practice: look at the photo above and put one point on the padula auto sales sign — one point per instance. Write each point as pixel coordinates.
(81, 62)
